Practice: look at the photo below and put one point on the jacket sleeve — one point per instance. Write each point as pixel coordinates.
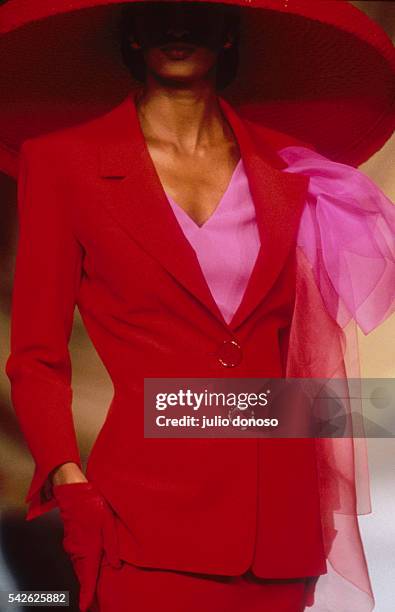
(46, 281)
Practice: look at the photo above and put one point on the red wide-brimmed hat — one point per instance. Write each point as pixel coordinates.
(320, 70)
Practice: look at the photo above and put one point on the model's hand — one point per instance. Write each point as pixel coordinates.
(89, 532)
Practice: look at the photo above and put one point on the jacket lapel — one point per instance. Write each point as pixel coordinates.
(279, 199)
(134, 195)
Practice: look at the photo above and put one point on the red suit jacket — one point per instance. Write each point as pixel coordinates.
(96, 231)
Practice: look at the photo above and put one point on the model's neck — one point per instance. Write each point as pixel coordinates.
(188, 118)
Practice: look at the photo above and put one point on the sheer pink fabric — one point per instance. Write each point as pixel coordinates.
(317, 349)
(346, 276)
(347, 231)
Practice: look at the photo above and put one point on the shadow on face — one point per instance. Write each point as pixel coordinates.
(181, 41)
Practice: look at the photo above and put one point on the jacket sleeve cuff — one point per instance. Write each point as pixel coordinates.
(40, 497)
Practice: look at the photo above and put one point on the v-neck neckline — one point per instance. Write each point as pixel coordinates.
(220, 204)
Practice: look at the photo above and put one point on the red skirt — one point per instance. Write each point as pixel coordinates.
(156, 590)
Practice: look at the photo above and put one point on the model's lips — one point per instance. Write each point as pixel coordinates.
(178, 46)
(178, 50)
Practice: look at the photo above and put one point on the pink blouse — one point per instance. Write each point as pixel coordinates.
(227, 244)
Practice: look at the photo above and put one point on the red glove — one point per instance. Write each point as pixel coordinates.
(89, 532)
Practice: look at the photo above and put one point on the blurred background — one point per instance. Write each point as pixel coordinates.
(31, 555)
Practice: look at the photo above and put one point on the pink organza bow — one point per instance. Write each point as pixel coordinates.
(347, 231)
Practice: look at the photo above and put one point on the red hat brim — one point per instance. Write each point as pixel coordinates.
(320, 71)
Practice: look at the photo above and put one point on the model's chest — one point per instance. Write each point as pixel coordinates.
(197, 183)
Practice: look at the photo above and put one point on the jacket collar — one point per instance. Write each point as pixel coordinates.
(134, 195)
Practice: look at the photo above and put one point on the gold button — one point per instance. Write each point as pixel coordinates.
(230, 353)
